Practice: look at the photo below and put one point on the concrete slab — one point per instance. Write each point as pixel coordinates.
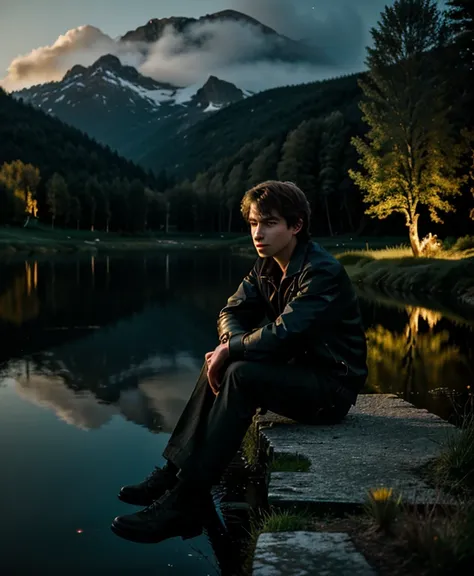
(307, 554)
(381, 442)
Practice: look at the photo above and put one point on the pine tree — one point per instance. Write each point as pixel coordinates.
(235, 189)
(75, 210)
(217, 192)
(410, 157)
(202, 210)
(331, 150)
(299, 159)
(91, 194)
(264, 166)
(57, 197)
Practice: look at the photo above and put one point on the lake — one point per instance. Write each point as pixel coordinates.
(99, 355)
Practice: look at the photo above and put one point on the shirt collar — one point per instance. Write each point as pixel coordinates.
(271, 269)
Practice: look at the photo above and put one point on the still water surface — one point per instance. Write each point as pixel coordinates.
(98, 356)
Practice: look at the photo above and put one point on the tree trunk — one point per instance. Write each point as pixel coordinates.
(414, 238)
(167, 219)
(229, 228)
(107, 225)
(77, 224)
(327, 215)
(52, 222)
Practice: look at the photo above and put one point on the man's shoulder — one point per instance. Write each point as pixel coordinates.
(319, 257)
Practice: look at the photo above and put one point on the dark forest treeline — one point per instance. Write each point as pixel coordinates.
(71, 178)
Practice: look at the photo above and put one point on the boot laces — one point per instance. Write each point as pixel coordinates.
(164, 502)
(155, 475)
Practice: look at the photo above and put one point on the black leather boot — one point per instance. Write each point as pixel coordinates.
(179, 512)
(152, 487)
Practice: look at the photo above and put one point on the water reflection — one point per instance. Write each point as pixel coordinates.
(97, 336)
(415, 353)
(98, 358)
(130, 346)
(19, 302)
(151, 395)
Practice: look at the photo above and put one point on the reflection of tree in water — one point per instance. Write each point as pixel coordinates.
(413, 361)
(19, 302)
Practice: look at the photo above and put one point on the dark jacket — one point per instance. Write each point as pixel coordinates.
(311, 317)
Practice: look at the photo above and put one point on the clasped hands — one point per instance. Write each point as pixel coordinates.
(216, 361)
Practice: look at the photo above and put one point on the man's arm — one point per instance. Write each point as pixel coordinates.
(244, 311)
(318, 303)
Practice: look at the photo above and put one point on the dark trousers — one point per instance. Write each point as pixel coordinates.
(211, 428)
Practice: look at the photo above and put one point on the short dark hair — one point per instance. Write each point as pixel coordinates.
(285, 198)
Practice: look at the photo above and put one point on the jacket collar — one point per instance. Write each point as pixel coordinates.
(270, 268)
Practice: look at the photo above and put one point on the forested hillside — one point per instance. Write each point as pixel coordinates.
(71, 177)
(270, 114)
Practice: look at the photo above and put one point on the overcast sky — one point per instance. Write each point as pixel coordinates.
(341, 27)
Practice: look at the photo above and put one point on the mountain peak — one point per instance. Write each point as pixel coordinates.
(108, 61)
(238, 17)
(154, 29)
(111, 64)
(217, 92)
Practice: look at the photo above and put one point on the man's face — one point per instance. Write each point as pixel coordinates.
(270, 234)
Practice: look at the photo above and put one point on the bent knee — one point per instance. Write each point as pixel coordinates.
(242, 371)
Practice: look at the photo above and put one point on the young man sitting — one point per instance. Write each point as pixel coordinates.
(291, 341)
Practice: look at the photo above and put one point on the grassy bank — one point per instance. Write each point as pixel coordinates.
(40, 240)
(332, 243)
(448, 276)
(398, 539)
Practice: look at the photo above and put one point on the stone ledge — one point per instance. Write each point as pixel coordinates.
(308, 553)
(381, 442)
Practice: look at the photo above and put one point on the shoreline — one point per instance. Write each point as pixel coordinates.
(9, 248)
(443, 282)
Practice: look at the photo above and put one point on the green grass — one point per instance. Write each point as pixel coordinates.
(454, 467)
(286, 462)
(274, 520)
(440, 539)
(451, 273)
(282, 521)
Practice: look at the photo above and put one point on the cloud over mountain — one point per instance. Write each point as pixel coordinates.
(231, 50)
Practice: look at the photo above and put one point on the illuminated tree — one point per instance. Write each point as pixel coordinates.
(22, 180)
(410, 156)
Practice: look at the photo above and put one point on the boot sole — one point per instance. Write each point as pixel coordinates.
(138, 501)
(186, 532)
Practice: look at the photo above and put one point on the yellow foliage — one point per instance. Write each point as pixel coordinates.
(383, 507)
(31, 207)
(380, 494)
